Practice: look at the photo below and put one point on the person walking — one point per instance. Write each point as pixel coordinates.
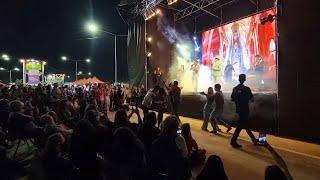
(207, 108)
(216, 114)
(241, 95)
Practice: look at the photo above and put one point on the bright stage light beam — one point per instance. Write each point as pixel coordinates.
(170, 2)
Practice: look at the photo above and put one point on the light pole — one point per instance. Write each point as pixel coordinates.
(64, 58)
(10, 72)
(93, 28)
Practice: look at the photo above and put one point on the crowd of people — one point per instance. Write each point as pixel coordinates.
(76, 139)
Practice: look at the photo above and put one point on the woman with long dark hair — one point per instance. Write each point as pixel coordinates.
(207, 108)
(213, 169)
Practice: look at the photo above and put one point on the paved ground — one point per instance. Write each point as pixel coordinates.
(302, 160)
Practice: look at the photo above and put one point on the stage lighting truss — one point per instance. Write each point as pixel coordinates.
(151, 13)
(195, 7)
(147, 8)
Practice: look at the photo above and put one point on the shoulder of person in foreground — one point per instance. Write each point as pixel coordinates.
(182, 146)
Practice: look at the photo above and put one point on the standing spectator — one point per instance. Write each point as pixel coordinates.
(175, 98)
(160, 104)
(148, 99)
(56, 92)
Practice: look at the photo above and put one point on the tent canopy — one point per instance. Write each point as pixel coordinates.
(90, 80)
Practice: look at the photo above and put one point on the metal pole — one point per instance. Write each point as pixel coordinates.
(10, 76)
(42, 75)
(145, 54)
(76, 70)
(23, 72)
(115, 60)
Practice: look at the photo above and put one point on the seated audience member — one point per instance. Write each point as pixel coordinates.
(4, 113)
(127, 160)
(169, 156)
(21, 125)
(274, 172)
(49, 164)
(83, 151)
(213, 169)
(103, 134)
(64, 114)
(121, 119)
(197, 156)
(149, 132)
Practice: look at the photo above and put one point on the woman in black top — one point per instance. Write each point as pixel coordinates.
(207, 108)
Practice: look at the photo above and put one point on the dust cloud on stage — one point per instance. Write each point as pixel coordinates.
(219, 55)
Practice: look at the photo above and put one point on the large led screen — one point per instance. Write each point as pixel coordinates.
(246, 46)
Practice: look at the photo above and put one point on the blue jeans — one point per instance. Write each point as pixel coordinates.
(206, 115)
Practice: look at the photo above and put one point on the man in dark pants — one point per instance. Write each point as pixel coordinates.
(175, 93)
(241, 95)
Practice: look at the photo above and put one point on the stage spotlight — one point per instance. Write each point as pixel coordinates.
(151, 13)
(170, 2)
(149, 39)
(149, 54)
(178, 45)
(194, 38)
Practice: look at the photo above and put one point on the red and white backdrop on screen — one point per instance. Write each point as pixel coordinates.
(239, 43)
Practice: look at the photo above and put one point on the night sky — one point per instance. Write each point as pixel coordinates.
(42, 29)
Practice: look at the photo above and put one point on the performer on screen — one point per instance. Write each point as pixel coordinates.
(157, 74)
(195, 67)
(259, 69)
(228, 70)
(217, 70)
(237, 51)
